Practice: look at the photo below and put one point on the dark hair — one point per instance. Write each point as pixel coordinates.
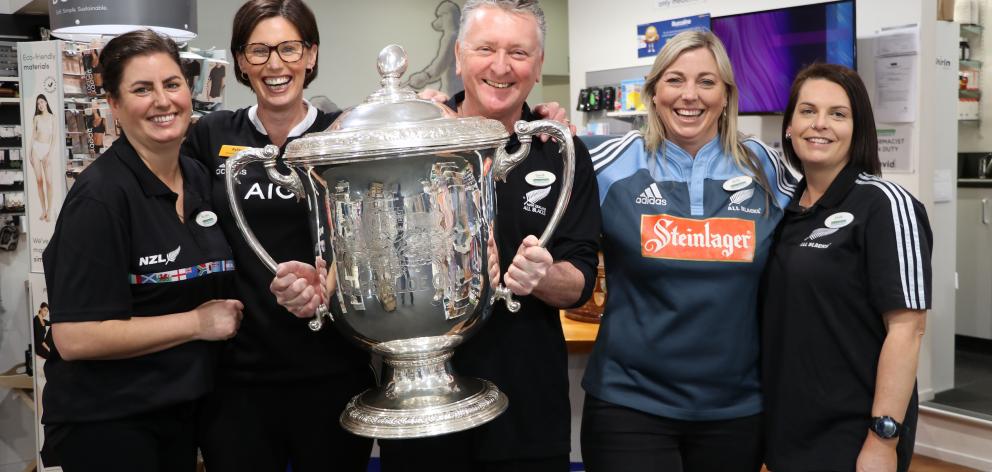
(43, 305)
(253, 12)
(864, 140)
(47, 105)
(120, 50)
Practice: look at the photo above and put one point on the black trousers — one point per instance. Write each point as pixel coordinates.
(247, 427)
(621, 439)
(453, 453)
(158, 441)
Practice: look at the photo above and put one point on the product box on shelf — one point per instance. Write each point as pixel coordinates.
(630, 95)
(968, 108)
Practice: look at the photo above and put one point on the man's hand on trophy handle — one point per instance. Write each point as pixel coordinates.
(299, 288)
(554, 112)
(529, 267)
(433, 95)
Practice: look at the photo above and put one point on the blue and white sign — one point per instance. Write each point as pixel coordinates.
(651, 37)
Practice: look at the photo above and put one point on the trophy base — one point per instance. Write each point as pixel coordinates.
(474, 402)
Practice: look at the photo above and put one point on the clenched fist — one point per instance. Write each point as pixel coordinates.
(218, 319)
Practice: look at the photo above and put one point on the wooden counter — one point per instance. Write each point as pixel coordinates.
(579, 335)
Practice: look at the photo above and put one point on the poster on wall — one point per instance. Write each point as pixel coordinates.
(41, 106)
(896, 71)
(38, 311)
(208, 86)
(651, 37)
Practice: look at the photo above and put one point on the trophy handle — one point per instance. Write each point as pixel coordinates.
(267, 156)
(504, 163)
(234, 166)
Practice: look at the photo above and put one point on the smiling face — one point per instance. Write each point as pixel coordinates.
(277, 84)
(153, 105)
(689, 98)
(41, 105)
(822, 125)
(499, 60)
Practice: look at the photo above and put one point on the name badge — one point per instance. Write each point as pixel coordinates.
(737, 183)
(838, 220)
(540, 178)
(229, 150)
(206, 218)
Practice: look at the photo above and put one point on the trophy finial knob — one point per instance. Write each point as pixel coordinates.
(392, 62)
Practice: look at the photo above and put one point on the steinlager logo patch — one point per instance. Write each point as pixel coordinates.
(713, 239)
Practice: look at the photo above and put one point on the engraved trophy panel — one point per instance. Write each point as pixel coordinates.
(409, 247)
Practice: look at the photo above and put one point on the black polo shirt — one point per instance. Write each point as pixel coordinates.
(272, 344)
(862, 250)
(524, 353)
(119, 251)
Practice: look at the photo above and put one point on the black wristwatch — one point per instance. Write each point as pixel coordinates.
(886, 427)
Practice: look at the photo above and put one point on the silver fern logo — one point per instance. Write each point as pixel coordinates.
(737, 200)
(820, 232)
(742, 196)
(172, 255)
(531, 198)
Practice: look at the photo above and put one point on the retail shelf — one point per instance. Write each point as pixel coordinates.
(971, 64)
(12, 188)
(973, 29)
(12, 212)
(10, 79)
(626, 114)
(10, 100)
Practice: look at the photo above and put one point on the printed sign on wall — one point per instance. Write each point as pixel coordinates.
(44, 141)
(651, 37)
(894, 147)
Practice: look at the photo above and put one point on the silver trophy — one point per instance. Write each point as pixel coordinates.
(401, 204)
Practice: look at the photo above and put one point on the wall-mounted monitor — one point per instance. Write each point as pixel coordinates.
(768, 48)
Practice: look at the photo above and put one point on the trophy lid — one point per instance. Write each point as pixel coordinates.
(394, 122)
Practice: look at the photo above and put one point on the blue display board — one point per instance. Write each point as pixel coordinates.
(651, 37)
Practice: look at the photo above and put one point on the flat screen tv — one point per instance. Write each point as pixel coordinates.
(768, 48)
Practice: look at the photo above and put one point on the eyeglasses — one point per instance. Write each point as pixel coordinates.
(259, 53)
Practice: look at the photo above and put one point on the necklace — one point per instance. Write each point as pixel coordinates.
(804, 200)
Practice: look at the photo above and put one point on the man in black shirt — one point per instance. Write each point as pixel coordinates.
(499, 55)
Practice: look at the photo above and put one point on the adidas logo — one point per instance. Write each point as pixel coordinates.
(651, 196)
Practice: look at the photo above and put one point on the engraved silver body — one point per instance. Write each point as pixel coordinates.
(401, 205)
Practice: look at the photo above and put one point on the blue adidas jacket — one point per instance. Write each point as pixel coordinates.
(684, 242)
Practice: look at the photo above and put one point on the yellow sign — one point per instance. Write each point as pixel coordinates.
(228, 150)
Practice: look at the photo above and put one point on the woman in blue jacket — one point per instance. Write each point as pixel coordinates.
(689, 208)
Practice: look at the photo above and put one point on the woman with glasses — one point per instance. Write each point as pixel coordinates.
(281, 386)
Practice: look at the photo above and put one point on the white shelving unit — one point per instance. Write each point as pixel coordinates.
(626, 114)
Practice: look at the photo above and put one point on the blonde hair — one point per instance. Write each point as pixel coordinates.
(731, 140)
